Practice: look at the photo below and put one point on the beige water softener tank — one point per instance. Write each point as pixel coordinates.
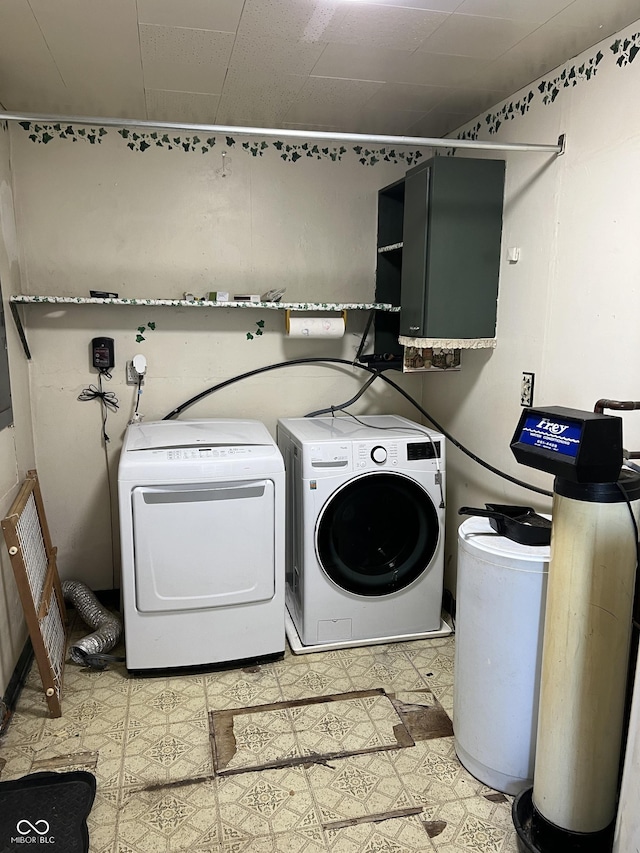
(500, 601)
(585, 659)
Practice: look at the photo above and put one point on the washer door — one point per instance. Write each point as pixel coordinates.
(377, 534)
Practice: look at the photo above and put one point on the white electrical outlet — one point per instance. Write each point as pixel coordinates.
(526, 389)
(132, 374)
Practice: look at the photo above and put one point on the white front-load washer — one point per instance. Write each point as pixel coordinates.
(365, 530)
(202, 537)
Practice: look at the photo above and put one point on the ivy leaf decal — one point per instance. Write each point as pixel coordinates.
(139, 339)
(230, 141)
(260, 323)
(141, 329)
(633, 52)
(249, 336)
(151, 325)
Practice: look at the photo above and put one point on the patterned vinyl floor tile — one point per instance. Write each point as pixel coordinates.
(16, 761)
(432, 773)
(288, 842)
(357, 786)
(472, 825)
(103, 824)
(435, 665)
(147, 742)
(162, 701)
(174, 752)
(266, 803)
(313, 675)
(352, 725)
(169, 819)
(385, 667)
(242, 688)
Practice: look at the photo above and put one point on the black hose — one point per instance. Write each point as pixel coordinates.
(319, 360)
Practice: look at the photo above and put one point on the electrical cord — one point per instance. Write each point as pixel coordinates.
(331, 410)
(108, 400)
(625, 494)
(319, 360)
(421, 431)
(108, 403)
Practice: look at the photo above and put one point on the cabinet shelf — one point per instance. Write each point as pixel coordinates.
(24, 299)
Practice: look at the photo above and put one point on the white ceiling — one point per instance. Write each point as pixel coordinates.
(415, 67)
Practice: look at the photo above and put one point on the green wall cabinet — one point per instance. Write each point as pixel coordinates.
(439, 233)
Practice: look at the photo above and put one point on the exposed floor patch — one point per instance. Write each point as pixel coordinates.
(317, 729)
(396, 835)
(75, 761)
(373, 818)
(422, 714)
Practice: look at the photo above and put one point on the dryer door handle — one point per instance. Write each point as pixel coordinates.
(188, 494)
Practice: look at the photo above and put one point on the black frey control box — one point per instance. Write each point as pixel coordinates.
(102, 354)
(583, 447)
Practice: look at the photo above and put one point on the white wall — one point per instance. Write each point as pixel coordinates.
(16, 442)
(157, 223)
(568, 309)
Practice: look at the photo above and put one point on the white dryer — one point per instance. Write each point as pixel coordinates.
(365, 530)
(202, 536)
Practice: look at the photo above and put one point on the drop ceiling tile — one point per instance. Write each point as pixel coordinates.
(471, 102)
(387, 122)
(384, 27)
(189, 107)
(435, 125)
(541, 52)
(81, 36)
(440, 69)
(425, 5)
(534, 11)
(258, 54)
(326, 100)
(29, 77)
(222, 15)
(294, 20)
(602, 19)
(184, 60)
(322, 128)
(473, 35)
(258, 100)
(402, 96)
(359, 62)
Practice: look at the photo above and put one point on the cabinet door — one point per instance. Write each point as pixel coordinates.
(451, 257)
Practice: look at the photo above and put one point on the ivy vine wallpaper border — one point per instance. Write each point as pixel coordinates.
(623, 50)
(142, 141)
(549, 88)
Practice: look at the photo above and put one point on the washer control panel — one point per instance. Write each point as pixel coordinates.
(381, 454)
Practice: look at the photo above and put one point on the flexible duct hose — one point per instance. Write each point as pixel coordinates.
(107, 626)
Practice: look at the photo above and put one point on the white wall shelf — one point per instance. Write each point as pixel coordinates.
(24, 299)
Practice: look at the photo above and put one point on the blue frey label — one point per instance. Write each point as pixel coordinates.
(556, 436)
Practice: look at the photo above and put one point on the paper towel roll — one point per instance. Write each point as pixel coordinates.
(315, 327)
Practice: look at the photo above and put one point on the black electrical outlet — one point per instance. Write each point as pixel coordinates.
(102, 353)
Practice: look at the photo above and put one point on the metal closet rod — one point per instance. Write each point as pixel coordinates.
(232, 130)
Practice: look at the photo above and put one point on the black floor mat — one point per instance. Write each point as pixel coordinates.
(46, 808)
